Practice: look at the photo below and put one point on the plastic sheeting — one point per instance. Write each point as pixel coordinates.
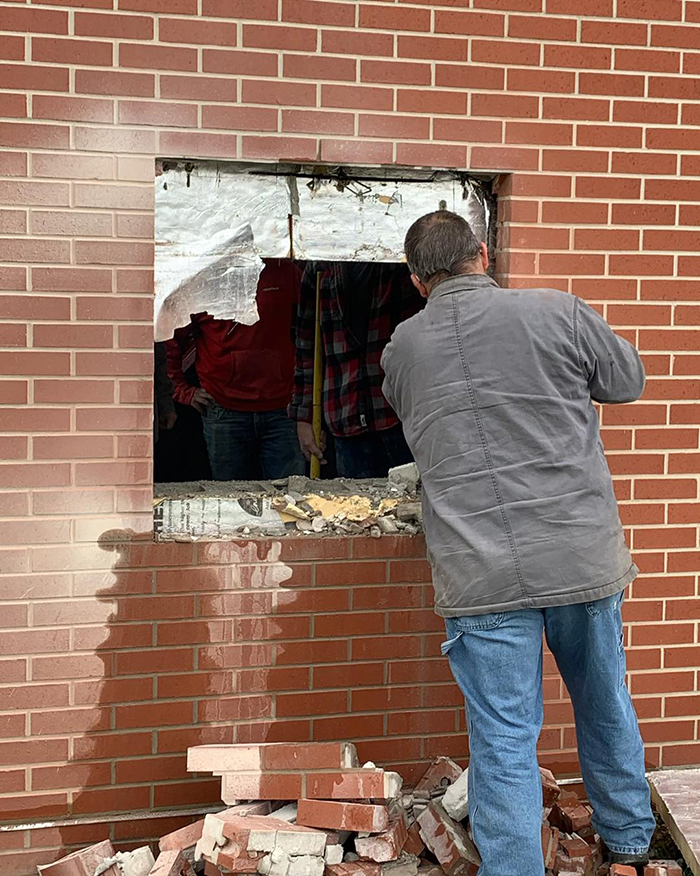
(215, 224)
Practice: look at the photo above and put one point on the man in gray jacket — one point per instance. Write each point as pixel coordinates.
(495, 390)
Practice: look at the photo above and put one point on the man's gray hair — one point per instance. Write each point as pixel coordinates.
(440, 244)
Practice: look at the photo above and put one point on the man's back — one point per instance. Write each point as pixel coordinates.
(494, 390)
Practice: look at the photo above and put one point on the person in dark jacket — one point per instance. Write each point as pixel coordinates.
(245, 376)
(495, 389)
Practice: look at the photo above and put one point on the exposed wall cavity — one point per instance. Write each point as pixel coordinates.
(216, 222)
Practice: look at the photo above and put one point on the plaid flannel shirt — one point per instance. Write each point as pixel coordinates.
(352, 399)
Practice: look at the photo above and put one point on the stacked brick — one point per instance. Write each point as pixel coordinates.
(346, 820)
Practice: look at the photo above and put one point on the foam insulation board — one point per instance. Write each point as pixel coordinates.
(215, 223)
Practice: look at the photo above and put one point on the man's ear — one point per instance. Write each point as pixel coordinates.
(484, 254)
(420, 286)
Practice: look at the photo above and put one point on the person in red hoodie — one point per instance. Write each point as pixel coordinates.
(245, 376)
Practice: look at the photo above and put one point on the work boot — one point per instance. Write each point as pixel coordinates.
(631, 860)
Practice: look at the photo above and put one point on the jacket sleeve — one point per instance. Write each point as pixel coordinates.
(182, 390)
(301, 405)
(611, 365)
(387, 388)
(163, 387)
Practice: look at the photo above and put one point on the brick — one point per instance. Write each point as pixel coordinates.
(173, 7)
(84, 52)
(543, 81)
(359, 817)
(448, 841)
(393, 18)
(34, 21)
(355, 151)
(315, 67)
(663, 868)
(648, 112)
(83, 862)
(74, 109)
(622, 870)
(469, 76)
(385, 846)
(318, 12)
(583, 57)
(509, 105)
(429, 48)
(13, 105)
(395, 72)
(12, 48)
(510, 52)
(274, 756)
(183, 30)
(131, 27)
(34, 77)
(613, 33)
(352, 785)
(34, 136)
(154, 57)
(344, 42)
(172, 863)
(176, 115)
(279, 93)
(470, 23)
(570, 815)
(542, 28)
(115, 83)
(575, 108)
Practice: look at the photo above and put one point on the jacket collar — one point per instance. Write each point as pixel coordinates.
(462, 283)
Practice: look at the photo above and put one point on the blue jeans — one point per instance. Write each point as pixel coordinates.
(371, 454)
(243, 445)
(496, 660)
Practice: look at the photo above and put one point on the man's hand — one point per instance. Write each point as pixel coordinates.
(307, 442)
(201, 400)
(167, 420)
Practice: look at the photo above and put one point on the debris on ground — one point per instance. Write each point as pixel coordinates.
(295, 506)
(318, 812)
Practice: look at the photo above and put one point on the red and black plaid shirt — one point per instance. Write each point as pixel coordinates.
(352, 377)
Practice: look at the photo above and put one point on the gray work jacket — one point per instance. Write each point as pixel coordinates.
(495, 390)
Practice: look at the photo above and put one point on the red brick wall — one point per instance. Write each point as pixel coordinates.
(119, 653)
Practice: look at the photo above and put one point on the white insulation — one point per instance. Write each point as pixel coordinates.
(215, 224)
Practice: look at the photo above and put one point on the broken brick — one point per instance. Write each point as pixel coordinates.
(354, 868)
(456, 798)
(622, 870)
(449, 842)
(550, 845)
(272, 756)
(172, 863)
(440, 774)
(385, 846)
(83, 862)
(359, 784)
(570, 815)
(663, 868)
(414, 844)
(335, 815)
(550, 789)
(184, 838)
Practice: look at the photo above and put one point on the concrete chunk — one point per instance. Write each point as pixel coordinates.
(456, 798)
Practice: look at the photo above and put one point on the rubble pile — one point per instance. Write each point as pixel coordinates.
(310, 809)
(295, 506)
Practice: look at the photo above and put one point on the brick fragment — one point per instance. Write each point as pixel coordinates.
(550, 845)
(414, 844)
(570, 815)
(442, 773)
(386, 846)
(354, 868)
(456, 798)
(359, 817)
(663, 868)
(187, 837)
(550, 789)
(83, 862)
(622, 870)
(272, 756)
(172, 863)
(449, 842)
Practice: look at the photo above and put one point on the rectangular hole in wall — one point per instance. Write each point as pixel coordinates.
(272, 280)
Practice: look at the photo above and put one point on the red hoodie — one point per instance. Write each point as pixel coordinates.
(244, 368)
